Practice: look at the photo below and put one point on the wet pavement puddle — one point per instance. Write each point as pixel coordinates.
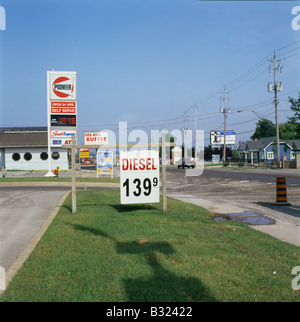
(248, 218)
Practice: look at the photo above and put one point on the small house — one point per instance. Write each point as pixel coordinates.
(26, 148)
(265, 150)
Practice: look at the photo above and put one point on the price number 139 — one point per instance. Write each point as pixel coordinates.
(140, 187)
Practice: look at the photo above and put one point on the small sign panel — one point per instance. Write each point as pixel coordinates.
(100, 138)
(104, 162)
(62, 134)
(139, 177)
(63, 86)
(84, 153)
(60, 142)
(63, 107)
(63, 120)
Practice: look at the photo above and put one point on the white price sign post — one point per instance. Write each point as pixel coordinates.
(139, 177)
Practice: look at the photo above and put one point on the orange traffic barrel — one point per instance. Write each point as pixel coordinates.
(281, 193)
(56, 172)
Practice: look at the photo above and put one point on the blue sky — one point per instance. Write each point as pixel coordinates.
(148, 62)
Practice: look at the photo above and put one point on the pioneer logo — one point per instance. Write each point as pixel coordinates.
(63, 87)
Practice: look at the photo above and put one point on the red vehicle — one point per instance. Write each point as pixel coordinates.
(186, 162)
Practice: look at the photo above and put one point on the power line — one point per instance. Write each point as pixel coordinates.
(289, 45)
(249, 80)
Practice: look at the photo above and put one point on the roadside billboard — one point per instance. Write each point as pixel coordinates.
(217, 137)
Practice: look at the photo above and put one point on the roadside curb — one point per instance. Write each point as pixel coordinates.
(12, 271)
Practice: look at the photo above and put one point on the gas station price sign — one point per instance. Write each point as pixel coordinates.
(139, 177)
(63, 120)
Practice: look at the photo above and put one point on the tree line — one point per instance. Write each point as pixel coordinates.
(287, 131)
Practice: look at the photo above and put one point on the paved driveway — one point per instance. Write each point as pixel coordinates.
(23, 210)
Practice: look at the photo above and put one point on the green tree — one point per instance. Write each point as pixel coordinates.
(264, 128)
(289, 131)
(295, 120)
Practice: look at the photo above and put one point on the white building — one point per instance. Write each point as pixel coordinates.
(27, 149)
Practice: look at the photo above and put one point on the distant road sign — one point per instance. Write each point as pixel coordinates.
(139, 177)
(215, 158)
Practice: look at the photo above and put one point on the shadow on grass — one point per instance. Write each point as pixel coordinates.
(69, 208)
(94, 231)
(163, 285)
(131, 208)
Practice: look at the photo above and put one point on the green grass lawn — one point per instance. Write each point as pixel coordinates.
(113, 252)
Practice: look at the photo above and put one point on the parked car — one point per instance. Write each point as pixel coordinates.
(186, 162)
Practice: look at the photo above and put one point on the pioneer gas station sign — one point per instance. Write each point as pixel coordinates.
(63, 85)
(61, 109)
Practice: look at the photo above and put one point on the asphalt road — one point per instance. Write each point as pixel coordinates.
(250, 189)
(23, 210)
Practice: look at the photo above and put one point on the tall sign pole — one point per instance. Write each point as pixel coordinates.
(49, 173)
(73, 160)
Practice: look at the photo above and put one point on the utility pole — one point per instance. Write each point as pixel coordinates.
(184, 129)
(195, 152)
(276, 113)
(185, 147)
(224, 112)
(277, 87)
